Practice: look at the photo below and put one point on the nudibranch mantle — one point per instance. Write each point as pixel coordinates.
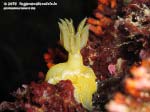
(82, 77)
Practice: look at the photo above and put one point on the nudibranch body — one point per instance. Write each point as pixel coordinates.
(82, 77)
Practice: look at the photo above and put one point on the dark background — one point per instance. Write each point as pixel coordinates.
(26, 35)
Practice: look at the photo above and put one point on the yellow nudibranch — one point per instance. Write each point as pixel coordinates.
(82, 77)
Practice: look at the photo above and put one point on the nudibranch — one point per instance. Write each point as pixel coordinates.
(81, 76)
